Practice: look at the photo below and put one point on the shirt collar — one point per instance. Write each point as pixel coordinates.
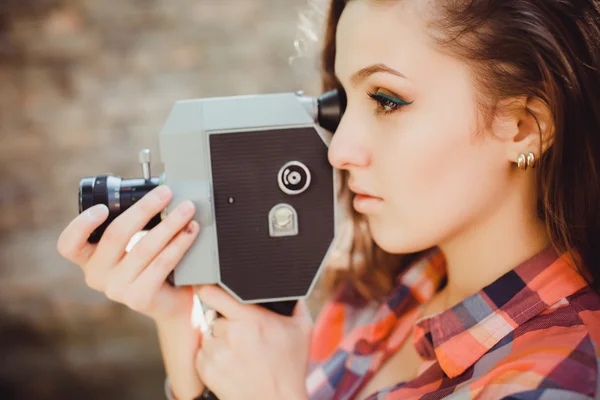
(461, 335)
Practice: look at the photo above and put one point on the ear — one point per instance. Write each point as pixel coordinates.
(526, 124)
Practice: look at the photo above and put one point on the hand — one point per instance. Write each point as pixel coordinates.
(136, 279)
(254, 353)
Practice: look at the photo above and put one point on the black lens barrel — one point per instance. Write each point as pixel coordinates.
(117, 194)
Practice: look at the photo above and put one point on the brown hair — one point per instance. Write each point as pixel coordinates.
(544, 49)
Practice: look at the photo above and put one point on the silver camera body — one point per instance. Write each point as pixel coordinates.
(256, 169)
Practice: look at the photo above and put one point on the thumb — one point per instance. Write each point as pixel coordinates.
(302, 315)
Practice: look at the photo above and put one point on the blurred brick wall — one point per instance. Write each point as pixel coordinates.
(84, 85)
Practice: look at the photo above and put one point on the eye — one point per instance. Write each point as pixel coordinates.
(386, 103)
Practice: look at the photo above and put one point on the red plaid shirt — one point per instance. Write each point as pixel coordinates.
(532, 334)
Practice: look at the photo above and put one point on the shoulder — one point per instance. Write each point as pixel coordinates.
(586, 303)
(344, 310)
(345, 317)
(552, 356)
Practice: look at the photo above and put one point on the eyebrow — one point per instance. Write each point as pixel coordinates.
(364, 73)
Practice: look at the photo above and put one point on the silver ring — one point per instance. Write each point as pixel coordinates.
(210, 317)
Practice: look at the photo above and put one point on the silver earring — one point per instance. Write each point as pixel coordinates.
(530, 160)
(522, 162)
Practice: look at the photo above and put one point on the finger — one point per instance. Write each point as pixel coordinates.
(220, 329)
(205, 367)
(302, 315)
(154, 276)
(210, 359)
(201, 363)
(222, 302)
(213, 348)
(117, 235)
(72, 243)
(156, 239)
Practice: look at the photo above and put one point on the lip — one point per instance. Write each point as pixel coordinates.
(362, 192)
(364, 201)
(366, 204)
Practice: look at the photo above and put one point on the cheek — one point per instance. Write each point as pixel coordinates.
(424, 169)
(426, 158)
(439, 177)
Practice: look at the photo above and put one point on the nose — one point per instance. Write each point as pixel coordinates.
(349, 148)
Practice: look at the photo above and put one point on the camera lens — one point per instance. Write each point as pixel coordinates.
(117, 194)
(293, 178)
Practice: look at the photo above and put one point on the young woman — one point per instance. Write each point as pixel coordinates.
(470, 152)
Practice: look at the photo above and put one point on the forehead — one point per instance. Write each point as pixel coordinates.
(390, 32)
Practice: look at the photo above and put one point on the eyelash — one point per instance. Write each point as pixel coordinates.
(388, 104)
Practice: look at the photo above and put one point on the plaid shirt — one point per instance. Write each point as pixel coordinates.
(531, 334)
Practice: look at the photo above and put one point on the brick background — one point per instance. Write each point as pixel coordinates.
(84, 85)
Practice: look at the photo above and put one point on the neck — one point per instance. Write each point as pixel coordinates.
(486, 250)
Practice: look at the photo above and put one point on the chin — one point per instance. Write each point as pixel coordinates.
(394, 239)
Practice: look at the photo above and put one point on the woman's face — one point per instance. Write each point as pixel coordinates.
(432, 172)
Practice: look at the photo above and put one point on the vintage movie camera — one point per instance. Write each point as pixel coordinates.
(256, 168)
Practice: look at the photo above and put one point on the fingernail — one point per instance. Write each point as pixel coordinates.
(186, 208)
(163, 192)
(191, 227)
(97, 212)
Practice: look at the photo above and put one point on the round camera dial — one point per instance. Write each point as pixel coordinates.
(293, 178)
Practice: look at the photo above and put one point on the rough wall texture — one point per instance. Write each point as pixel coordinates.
(84, 85)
